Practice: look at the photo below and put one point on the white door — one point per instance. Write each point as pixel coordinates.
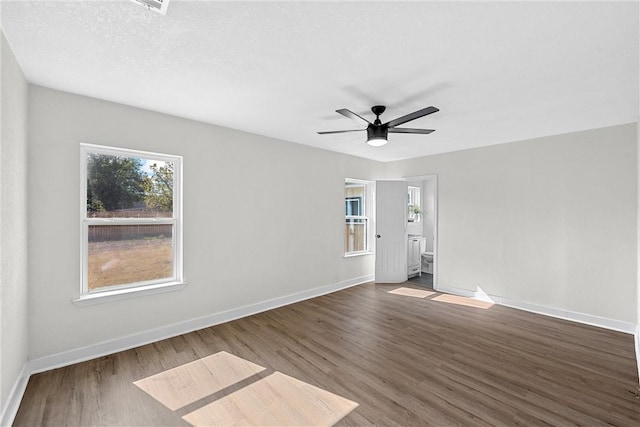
(391, 231)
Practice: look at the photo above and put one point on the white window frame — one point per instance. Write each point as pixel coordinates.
(115, 292)
(367, 214)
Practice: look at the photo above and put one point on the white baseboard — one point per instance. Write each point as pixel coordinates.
(637, 341)
(10, 409)
(131, 341)
(602, 322)
(124, 343)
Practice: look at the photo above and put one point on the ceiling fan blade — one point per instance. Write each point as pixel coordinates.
(412, 116)
(408, 130)
(340, 131)
(350, 114)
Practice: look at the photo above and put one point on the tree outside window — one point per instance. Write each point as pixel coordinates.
(131, 222)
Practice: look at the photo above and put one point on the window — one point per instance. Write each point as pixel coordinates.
(357, 211)
(354, 205)
(130, 220)
(414, 208)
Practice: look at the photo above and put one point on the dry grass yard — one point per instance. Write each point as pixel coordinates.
(129, 261)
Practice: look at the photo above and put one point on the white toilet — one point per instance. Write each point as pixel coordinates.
(426, 258)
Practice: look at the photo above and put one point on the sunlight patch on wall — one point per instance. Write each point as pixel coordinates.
(482, 295)
(276, 400)
(410, 292)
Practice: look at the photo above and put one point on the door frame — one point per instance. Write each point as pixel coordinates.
(424, 177)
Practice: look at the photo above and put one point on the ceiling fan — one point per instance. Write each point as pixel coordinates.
(377, 132)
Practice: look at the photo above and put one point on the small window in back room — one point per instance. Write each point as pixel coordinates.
(415, 205)
(131, 219)
(357, 224)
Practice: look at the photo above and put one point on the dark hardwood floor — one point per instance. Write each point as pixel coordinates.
(404, 360)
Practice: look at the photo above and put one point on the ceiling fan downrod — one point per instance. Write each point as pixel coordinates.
(376, 130)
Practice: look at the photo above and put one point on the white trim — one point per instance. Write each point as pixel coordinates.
(125, 293)
(588, 319)
(104, 348)
(10, 409)
(358, 181)
(354, 254)
(131, 341)
(109, 149)
(124, 343)
(436, 251)
(637, 342)
(132, 221)
(116, 291)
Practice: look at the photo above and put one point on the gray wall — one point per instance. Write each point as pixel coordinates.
(13, 221)
(549, 221)
(263, 218)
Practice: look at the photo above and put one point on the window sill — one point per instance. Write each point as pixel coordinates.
(351, 255)
(120, 294)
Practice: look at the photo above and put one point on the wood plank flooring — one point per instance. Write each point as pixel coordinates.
(403, 359)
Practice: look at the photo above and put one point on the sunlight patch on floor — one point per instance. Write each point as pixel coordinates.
(410, 292)
(468, 302)
(276, 400)
(178, 387)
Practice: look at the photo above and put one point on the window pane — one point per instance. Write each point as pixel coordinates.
(128, 187)
(354, 199)
(125, 254)
(356, 235)
(353, 206)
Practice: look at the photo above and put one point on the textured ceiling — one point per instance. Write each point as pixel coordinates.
(498, 71)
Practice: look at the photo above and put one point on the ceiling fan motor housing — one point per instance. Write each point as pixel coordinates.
(377, 131)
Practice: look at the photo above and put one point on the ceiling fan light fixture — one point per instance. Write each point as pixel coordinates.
(377, 134)
(377, 141)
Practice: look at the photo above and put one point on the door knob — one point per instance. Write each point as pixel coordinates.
(377, 236)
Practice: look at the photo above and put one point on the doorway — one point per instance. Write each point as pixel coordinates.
(406, 213)
(422, 223)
